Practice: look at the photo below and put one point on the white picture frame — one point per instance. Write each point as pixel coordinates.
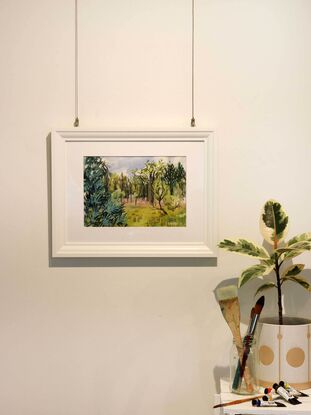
(70, 238)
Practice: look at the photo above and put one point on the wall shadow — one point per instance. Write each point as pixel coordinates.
(220, 372)
(132, 262)
(109, 262)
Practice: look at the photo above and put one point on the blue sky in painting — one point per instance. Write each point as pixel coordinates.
(126, 164)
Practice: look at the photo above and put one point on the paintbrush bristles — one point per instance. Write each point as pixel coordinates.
(227, 293)
(230, 308)
(259, 305)
(231, 312)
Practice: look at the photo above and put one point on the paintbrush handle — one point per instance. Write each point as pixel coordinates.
(241, 367)
(237, 401)
(240, 349)
(248, 345)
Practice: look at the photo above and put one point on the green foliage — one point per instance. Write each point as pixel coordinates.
(273, 225)
(99, 207)
(254, 271)
(244, 247)
(274, 222)
(303, 237)
(160, 190)
(294, 249)
(291, 274)
(175, 178)
(181, 178)
(172, 202)
(299, 280)
(170, 176)
(118, 195)
(265, 287)
(113, 214)
(293, 270)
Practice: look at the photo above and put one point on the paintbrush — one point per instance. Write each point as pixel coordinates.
(237, 378)
(255, 314)
(237, 401)
(227, 298)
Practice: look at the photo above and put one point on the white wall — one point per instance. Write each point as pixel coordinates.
(137, 340)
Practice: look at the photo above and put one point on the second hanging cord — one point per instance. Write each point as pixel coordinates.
(76, 121)
(192, 68)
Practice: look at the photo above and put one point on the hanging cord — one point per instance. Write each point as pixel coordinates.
(76, 122)
(192, 68)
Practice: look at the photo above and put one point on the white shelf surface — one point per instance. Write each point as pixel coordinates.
(246, 408)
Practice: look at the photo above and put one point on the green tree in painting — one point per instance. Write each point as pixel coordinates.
(181, 178)
(170, 176)
(160, 190)
(159, 187)
(99, 207)
(149, 173)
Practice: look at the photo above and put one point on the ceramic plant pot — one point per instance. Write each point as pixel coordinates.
(285, 352)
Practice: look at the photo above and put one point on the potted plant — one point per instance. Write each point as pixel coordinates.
(284, 343)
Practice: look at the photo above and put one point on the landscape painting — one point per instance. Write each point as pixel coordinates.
(134, 191)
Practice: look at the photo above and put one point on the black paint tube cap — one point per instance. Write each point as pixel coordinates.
(275, 386)
(256, 402)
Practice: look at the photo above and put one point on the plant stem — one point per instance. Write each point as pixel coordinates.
(278, 283)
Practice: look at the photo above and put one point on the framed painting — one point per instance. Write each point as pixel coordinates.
(132, 194)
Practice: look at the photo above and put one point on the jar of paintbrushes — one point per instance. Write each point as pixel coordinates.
(246, 382)
(244, 352)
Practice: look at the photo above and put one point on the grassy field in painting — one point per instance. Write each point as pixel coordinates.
(146, 215)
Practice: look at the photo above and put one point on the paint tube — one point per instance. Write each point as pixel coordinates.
(284, 394)
(258, 402)
(271, 397)
(292, 391)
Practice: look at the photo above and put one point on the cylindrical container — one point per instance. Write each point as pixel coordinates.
(285, 352)
(248, 384)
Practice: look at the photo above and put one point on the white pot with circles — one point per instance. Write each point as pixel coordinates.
(284, 352)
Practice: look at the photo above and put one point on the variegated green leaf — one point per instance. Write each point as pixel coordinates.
(301, 281)
(303, 237)
(244, 247)
(265, 287)
(270, 261)
(295, 249)
(293, 270)
(258, 270)
(292, 254)
(273, 222)
(301, 246)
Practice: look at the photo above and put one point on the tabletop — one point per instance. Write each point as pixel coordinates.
(247, 408)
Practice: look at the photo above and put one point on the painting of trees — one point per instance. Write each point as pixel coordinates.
(134, 191)
(99, 207)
